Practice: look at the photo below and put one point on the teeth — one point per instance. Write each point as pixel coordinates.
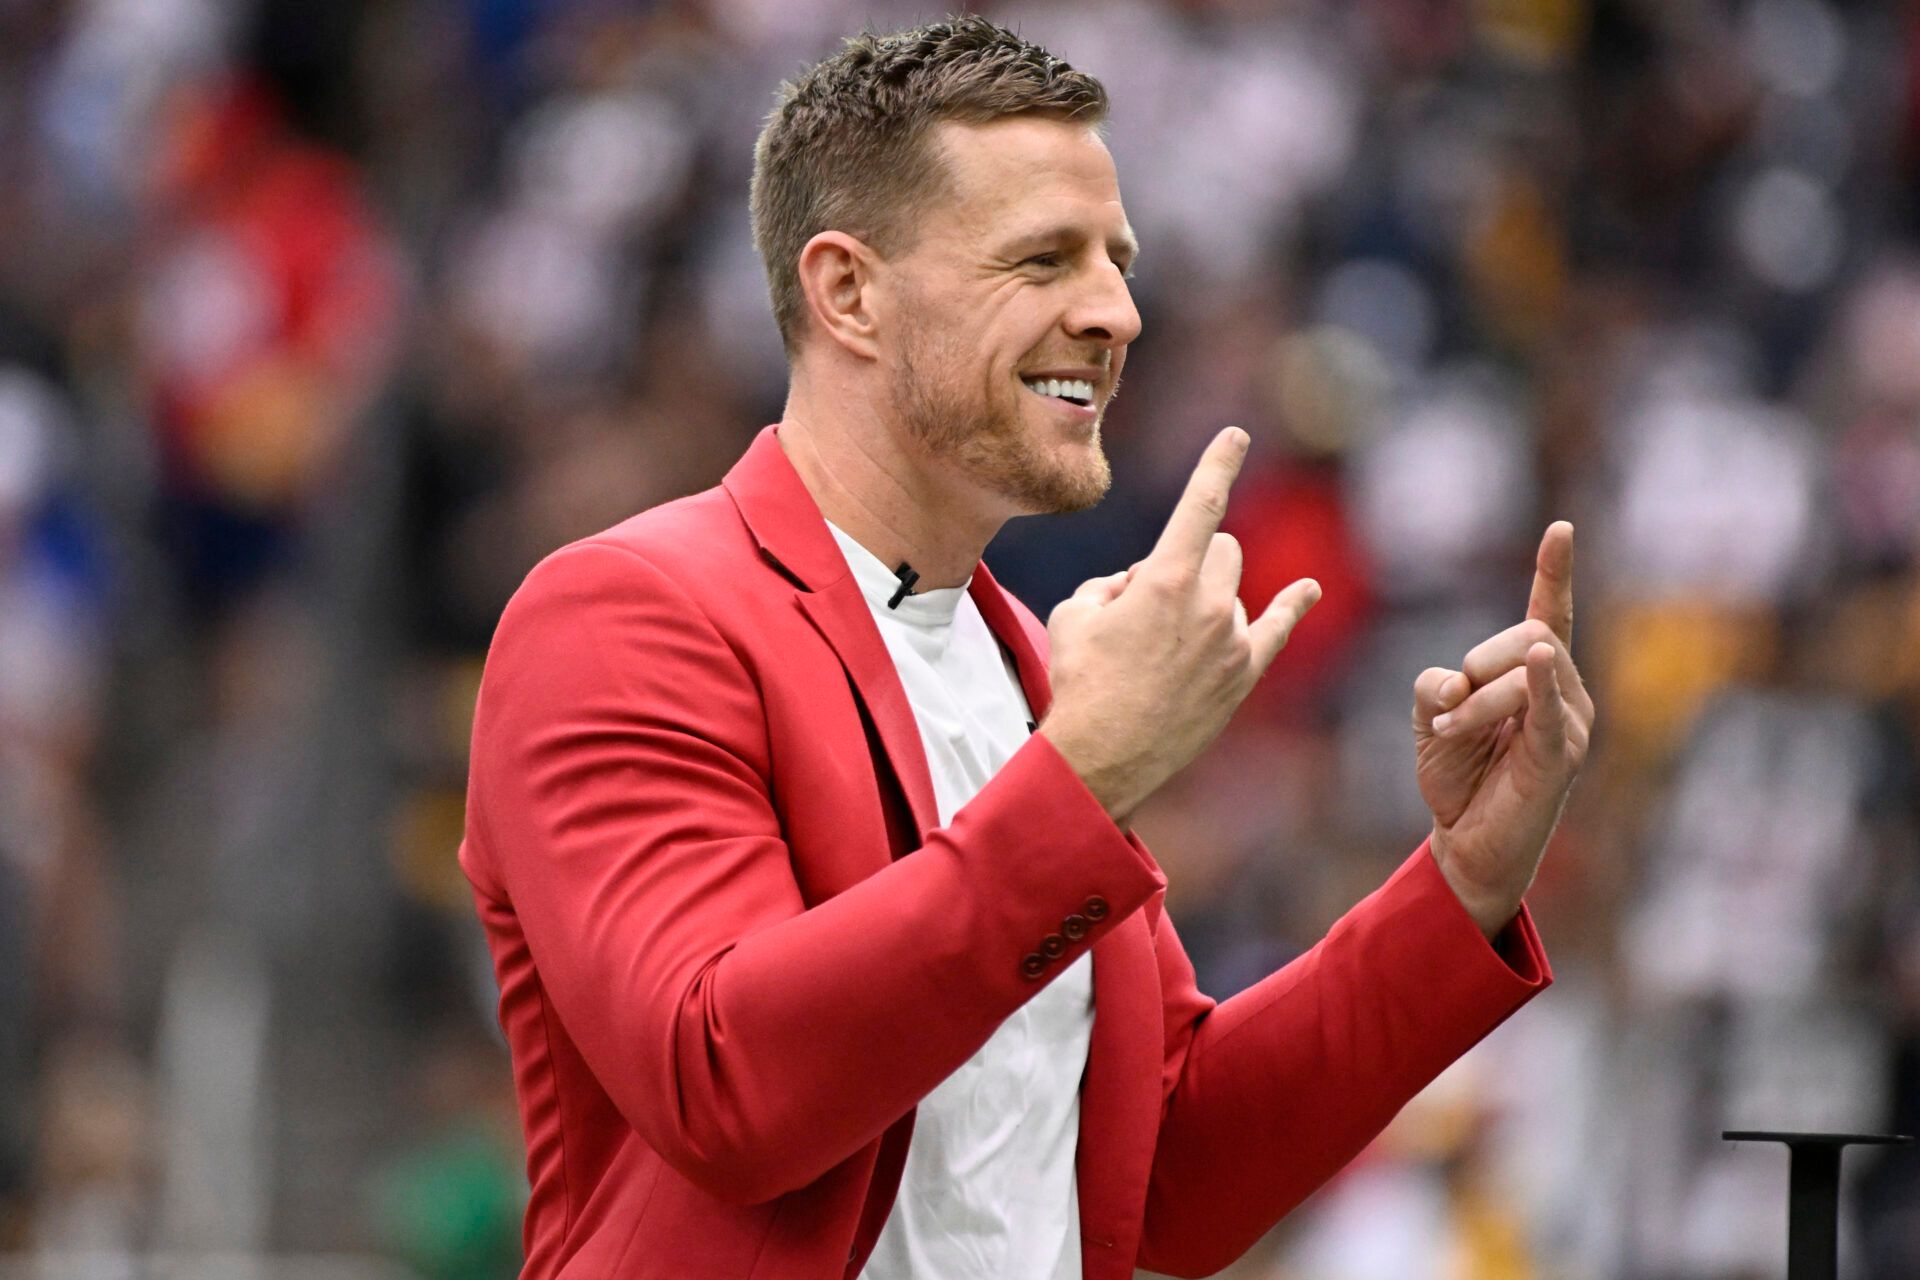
(1076, 388)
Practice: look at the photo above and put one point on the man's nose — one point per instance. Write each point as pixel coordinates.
(1106, 312)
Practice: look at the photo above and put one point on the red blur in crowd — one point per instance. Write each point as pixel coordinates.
(272, 305)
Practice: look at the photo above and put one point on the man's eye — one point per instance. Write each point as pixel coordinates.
(1042, 260)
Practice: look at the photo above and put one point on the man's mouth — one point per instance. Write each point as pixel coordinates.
(1074, 391)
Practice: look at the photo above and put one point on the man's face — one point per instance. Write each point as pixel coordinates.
(1008, 321)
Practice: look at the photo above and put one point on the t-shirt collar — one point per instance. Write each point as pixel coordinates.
(933, 607)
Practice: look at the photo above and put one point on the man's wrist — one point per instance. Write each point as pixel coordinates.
(1107, 784)
(1491, 911)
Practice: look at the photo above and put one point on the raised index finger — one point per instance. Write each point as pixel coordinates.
(1203, 505)
(1552, 598)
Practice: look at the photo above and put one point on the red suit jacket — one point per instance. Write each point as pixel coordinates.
(734, 950)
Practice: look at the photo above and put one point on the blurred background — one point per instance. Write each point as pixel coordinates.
(320, 323)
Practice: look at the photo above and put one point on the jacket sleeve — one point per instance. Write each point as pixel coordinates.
(1270, 1093)
(621, 802)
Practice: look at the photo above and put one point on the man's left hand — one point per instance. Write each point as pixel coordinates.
(1497, 744)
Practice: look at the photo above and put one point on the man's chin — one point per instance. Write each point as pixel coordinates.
(1069, 477)
(1091, 485)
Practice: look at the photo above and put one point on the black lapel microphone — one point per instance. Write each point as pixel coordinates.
(907, 578)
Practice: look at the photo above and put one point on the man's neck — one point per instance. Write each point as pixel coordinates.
(885, 498)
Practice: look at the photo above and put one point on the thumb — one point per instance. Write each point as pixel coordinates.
(1270, 630)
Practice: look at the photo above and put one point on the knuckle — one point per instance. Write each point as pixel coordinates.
(1169, 579)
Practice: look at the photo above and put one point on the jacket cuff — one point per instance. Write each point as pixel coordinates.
(1082, 808)
(1515, 958)
(1063, 873)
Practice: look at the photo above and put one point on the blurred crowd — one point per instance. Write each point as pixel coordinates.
(321, 324)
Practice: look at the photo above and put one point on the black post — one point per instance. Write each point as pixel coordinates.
(1813, 1196)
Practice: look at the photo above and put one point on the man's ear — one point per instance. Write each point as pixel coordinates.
(836, 275)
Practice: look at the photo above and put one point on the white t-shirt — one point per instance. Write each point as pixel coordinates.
(988, 1192)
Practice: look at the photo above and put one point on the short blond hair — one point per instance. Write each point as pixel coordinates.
(845, 148)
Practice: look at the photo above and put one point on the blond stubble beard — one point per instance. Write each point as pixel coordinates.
(986, 441)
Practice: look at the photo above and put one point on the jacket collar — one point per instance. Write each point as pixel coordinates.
(785, 520)
(787, 525)
(791, 533)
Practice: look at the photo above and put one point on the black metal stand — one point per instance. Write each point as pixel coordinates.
(1813, 1195)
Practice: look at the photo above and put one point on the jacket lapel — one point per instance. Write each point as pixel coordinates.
(1028, 658)
(791, 532)
(1119, 1099)
(840, 612)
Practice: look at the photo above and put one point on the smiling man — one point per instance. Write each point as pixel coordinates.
(803, 849)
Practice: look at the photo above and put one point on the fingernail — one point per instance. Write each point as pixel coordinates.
(1441, 723)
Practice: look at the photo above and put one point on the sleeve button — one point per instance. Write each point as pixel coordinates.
(1053, 946)
(1096, 908)
(1033, 966)
(1075, 927)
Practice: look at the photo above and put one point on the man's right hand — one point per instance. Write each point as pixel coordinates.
(1149, 664)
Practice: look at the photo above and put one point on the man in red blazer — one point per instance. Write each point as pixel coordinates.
(739, 948)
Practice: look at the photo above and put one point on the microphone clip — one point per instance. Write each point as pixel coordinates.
(907, 577)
